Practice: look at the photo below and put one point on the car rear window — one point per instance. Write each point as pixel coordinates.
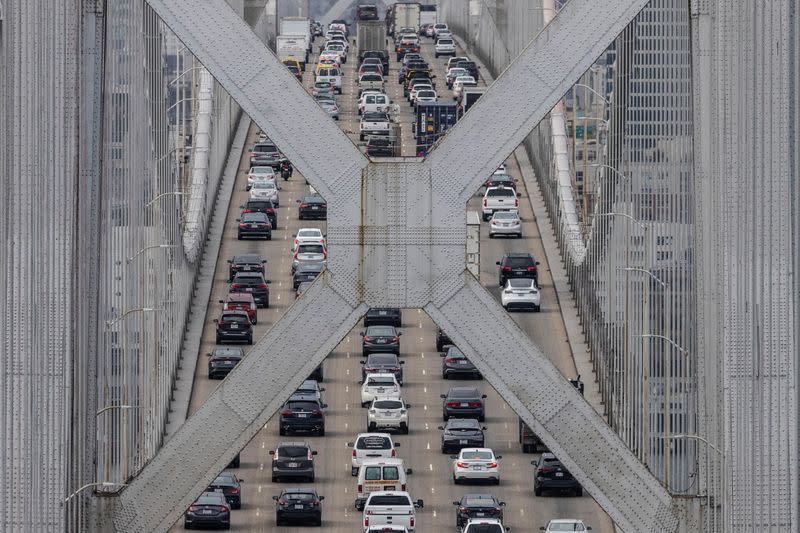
(380, 331)
(500, 192)
(308, 233)
(387, 404)
(310, 249)
(380, 382)
(566, 527)
(299, 496)
(463, 423)
(516, 262)
(519, 283)
(464, 393)
(224, 478)
(292, 451)
(210, 499)
(391, 473)
(385, 499)
(485, 528)
(382, 359)
(478, 502)
(479, 455)
(239, 319)
(374, 442)
(302, 406)
(445, 41)
(254, 217)
(371, 77)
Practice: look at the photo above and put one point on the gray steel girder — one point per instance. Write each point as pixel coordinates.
(394, 240)
(528, 89)
(236, 410)
(264, 88)
(549, 404)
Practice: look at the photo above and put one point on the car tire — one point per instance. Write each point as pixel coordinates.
(311, 478)
(266, 304)
(519, 235)
(269, 237)
(371, 428)
(537, 491)
(318, 523)
(456, 480)
(237, 506)
(282, 432)
(218, 340)
(496, 481)
(482, 418)
(274, 479)
(404, 429)
(250, 340)
(278, 521)
(444, 376)
(321, 432)
(538, 308)
(239, 236)
(445, 417)
(187, 525)
(491, 235)
(255, 321)
(579, 492)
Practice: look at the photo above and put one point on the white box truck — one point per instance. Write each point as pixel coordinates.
(371, 36)
(406, 16)
(298, 26)
(291, 47)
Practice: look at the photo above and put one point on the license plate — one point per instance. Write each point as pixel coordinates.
(480, 514)
(462, 362)
(463, 441)
(228, 362)
(298, 506)
(462, 404)
(314, 207)
(206, 511)
(253, 225)
(388, 487)
(382, 313)
(292, 465)
(559, 474)
(477, 467)
(247, 268)
(381, 341)
(302, 415)
(249, 289)
(381, 389)
(234, 326)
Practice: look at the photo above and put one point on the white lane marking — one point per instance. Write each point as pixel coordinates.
(521, 511)
(347, 407)
(263, 445)
(346, 425)
(428, 446)
(348, 355)
(424, 389)
(423, 372)
(258, 511)
(420, 325)
(261, 466)
(347, 388)
(434, 513)
(348, 371)
(259, 488)
(425, 407)
(279, 297)
(430, 466)
(426, 426)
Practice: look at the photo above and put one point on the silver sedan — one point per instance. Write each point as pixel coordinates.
(505, 223)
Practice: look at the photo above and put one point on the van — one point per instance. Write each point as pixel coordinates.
(377, 475)
(332, 75)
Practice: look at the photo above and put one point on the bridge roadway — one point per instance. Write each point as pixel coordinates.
(431, 479)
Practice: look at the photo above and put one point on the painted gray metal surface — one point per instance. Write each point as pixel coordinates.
(396, 238)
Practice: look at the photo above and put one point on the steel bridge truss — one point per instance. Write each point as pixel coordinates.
(396, 233)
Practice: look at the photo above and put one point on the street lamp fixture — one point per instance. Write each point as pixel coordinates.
(110, 407)
(645, 271)
(625, 215)
(110, 323)
(140, 252)
(662, 337)
(179, 76)
(182, 100)
(97, 484)
(613, 169)
(603, 98)
(164, 194)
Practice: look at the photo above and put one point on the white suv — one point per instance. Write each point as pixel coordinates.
(388, 413)
(379, 386)
(445, 47)
(484, 525)
(371, 446)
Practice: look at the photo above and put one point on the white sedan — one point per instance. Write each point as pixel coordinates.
(460, 83)
(521, 293)
(308, 236)
(484, 525)
(265, 190)
(260, 173)
(505, 223)
(379, 386)
(425, 96)
(565, 524)
(388, 413)
(476, 464)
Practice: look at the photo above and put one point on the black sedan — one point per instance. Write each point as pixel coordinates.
(463, 402)
(380, 339)
(442, 340)
(478, 506)
(234, 326)
(211, 509)
(230, 486)
(245, 263)
(262, 206)
(222, 360)
(550, 474)
(456, 365)
(302, 413)
(382, 363)
(306, 272)
(383, 316)
(298, 505)
(253, 283)
(254, 225)
(461, 433)
(312, 206)
(293, 460)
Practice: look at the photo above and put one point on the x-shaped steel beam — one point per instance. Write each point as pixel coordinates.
(397, 236)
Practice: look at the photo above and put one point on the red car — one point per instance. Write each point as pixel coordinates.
(241, 301)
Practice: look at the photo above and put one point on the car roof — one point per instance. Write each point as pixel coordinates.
(227, 351)
(299, 491)
(239, 297)
(236, 312)
(294, 443)
(517, 254)
(247, 258)
(380, 375)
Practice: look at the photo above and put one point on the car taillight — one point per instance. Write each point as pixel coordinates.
(532, 269)
(295, 254)
(546, 470)
(462, 464)
(366, 520)
(192, 509)
(221, 322)
(452, 404)
(247, 211)
(325, 254)
(223, 508)
(303, 205)
(242, 225)
(354, 452)
(295, 242)
(236, 285)
(282, 502)
(492, 465)
(360, 487)
(262, 286)
(316, 413)
(367, 338)
(516, 202)
(394, 452)
(450, 360)
(403, 486)
(485, 201)
(412, 522)
(506, 269)
(287, 413)
(474, 404)
(394, 339)
(234, 490)
(462, 509)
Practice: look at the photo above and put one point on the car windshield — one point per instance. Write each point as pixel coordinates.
(517, 262)
(299, 496)
(387, 404)
(374, 442)
(477, 455)
(380, 382)
(380, 331)
(292, 451)
(390, 499)
(463, 423)
(464, 393)
(520, 283)
(310, 249)
(382, 359)
(565, 527)
(262, 170)
(445, 41)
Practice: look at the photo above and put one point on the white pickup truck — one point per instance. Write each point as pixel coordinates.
(391, 508)
(499, 199)
(374, 124)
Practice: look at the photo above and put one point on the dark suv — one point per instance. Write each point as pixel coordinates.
(234, 326)
(293, 460)
(383, 316)
(550, 474)
(253, 283)
(478, 506)
(380, 339)
(382, 363)
(222, 360)
(302, 412)
(463, 402)
(517, 265)
(312, 206)
(470, 66)
(245, 263)
(262, 206)
(231, 487)
(267, 154)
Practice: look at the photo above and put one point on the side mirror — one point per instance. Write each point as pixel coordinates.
(230, 260)
(361, 333)
(588, 528)
(541, 528)
(349, 444)
(441, 428)
(456, 503)
(263, 261)
(498, 456)
(402, 362)
(497, 263)
(396, 444)
(238, 220)
(502, 504)
(323, 497)
(241, 480)
(483, 428)
(362, 362)
(442, 354)
(409, 471)
(538, 263)
(420, 504)
(360, 382)
(408, 406)
(267, 281)
(275, 498)
(298, 201)
(322, 389)
(483, 396)
(519, 195)
(534, 463)
(399, 333)
(241, 207)
(272, 452)
(314, 452)
(208, 354)
(216, 321)
(325, 406)
(222, 301)
(443, 396)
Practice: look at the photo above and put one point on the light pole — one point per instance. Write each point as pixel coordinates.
(718, 473)
(182, 100)
(151, 247)
(667, 397)
(96, 484)
(179, 76)
(110, 323)
(110, 407)
(164, 194)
